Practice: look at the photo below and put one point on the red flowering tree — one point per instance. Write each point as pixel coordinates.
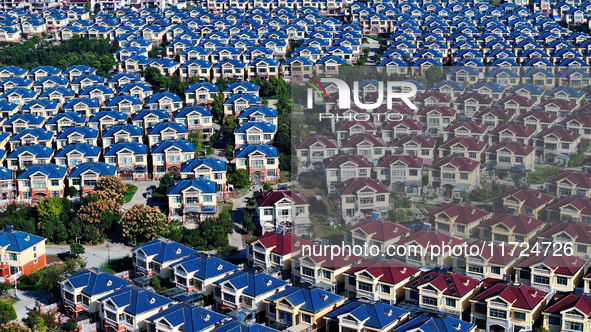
(101, 209)
(143, 223)
(113, 187)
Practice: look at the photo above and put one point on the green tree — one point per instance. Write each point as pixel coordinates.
(49, 207)
(4, 287)
(221, 84)
(239, 178)
(87, 6)
(228, 127)
(164, 184)
(49, 278)
(196, 138)
(7, 312)
(74, 265)
(155, 282)
(76, 249)
(217, 107)
(72, 191)
(72, 324)
(229, 152)
(283, 139)
(434, 74)
(248, 225)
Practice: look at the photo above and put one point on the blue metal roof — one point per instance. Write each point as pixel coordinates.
(245, 151)
(431, 323)
(205, 186)
(312, 300)
(157, 128)
(128, 128)
(136, 300)
(51, 170)
(99, 168)
(180, 144)
(375, 315)
(205, 267)
(73, 116)
(116, 115)
(134, 147)
(95, 281)
(216, 165)
(84, 148)
(189, 318)
(86, 132)
(165, 250)
(263, 126)
(253, 284)
(40, 133)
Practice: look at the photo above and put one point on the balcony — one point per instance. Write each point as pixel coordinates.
(574, 317)
(284, 307)
(229, 290)
(366, 206)
(428, 292)
(349, 323)
(493, 304)
(362, 293)
(503, 322)
(364, 278)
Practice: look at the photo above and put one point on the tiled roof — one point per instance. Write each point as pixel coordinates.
(520, 224)
(282, 244)
(461, 163)
(464, 214)
(519, 296)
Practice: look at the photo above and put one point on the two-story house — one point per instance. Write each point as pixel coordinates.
(286, 208)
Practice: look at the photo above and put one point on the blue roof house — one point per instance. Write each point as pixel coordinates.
(81, 291)
(198, 273)
(156, 257)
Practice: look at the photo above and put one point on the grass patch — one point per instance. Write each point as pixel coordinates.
(426, 206)
(129, 192)
(227, 208)
(117, 265)
(540, 175)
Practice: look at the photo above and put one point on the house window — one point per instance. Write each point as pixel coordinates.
(541, 280)
(498, 313)
(429, 301)
(463, 176)
(461, 229)
(562, 281)
(554, 320)
(575, 326)
(449, 302)
(495, 270)
(475, 269)
(385, 289)
(326, 274)
(365, 287)
(306, 319)
(519, 315)
(351, 281)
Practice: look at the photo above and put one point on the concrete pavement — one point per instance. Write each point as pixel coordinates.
(27, 299)
(139, 197)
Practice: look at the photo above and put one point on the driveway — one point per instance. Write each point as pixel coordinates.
(139, 197)
(27, 299)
